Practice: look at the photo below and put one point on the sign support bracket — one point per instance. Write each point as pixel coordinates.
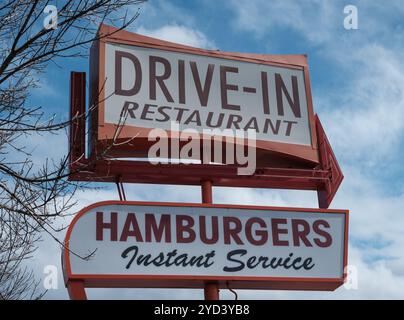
(121, 190)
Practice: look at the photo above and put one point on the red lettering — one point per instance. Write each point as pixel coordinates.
(230, 232)
(262, 234)
(181, 81)
(276, 231)
(131, 229)
(157, 230)
(215, 230)
(224, 87)
(119, 55)
(281, 89)
(203, 92)
(316, 228)
(185, 228)
(300, 234)
(101, 225)
(154, 78)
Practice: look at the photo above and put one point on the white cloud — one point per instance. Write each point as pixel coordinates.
(306, 17)
(368, 122)
(318, 21)
(180, 34)
(156, 13)
(166, 21)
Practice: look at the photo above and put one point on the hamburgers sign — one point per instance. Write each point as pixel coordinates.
(155, 83)
(183, 245)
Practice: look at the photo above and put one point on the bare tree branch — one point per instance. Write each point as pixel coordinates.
(34, 196)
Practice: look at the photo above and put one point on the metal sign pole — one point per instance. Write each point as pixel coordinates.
(76, 290)
(211, 289)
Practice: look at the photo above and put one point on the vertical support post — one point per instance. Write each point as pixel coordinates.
(211, 290)
(76, 290)
(77, 116)
(322, 199)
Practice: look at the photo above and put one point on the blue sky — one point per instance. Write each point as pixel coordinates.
(357, 79)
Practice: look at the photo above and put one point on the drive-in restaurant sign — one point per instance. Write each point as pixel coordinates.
(157, 82)
(140, 244)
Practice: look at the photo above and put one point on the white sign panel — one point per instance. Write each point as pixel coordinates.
(200, 92)
(134, 239)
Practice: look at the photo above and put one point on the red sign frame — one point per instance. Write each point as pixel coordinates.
(76, 283)
(102, 133)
